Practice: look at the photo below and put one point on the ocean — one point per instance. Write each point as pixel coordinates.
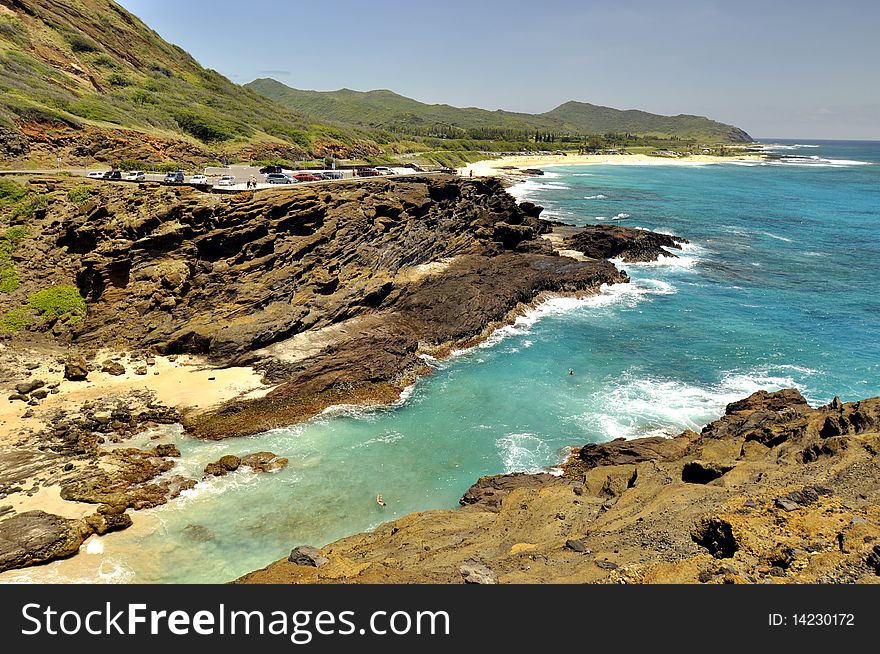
(777, 288)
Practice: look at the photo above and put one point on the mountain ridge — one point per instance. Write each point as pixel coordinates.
(386, 109)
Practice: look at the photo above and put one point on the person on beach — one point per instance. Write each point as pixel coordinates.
(380, 501)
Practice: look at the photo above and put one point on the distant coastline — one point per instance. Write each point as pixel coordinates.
(508, 165)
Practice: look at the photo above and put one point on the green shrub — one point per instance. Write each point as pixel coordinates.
(130, 164)
(15, 320)
(202, 127)
(80, 194)
(105, 60)
(94, 110)
(118, 80)
(14, 31)
(168, 167)
(28, 208)
(10, 192)
(61, 302)
(8, 277)
(81, 43)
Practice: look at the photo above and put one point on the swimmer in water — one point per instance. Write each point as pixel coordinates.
(379, 500)
(570, 371)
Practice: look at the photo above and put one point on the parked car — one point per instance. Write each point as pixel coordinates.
(97, 174)
(366, 172)
(135, 176)
(199, 179)
(226, 180)
(331, 175)
(175, 177)
(307, 177)
(112, 174)
(279, 178)
(270, 169)
(384, 170)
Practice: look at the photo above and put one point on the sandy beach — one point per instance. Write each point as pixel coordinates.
(511, 165)
(185, 382)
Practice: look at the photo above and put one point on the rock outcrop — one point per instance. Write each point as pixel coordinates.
(626, 243)
(415, 265)
(37, 537)
(768, 493)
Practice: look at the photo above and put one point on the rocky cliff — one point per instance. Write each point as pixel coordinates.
(774, 491)
(381, 271)
(331, 292)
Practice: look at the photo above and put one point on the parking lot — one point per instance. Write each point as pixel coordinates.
(219, 178)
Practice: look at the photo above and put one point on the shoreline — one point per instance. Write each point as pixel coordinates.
(510, 165)
(143, 522)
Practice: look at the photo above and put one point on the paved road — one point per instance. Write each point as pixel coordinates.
(241, 173)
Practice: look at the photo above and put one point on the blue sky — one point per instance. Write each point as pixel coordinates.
(798, 69)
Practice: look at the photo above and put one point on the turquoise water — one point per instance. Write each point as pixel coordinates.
(777, 289)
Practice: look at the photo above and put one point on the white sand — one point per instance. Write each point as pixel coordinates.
(189, 383)
(495, 167)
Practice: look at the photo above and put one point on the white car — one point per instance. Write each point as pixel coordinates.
(97, 174)
(226, 180)
(384, 170)
(135, 176)
(199, 179)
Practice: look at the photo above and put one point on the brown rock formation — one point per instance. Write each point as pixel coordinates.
(629, 244)
(730, 505)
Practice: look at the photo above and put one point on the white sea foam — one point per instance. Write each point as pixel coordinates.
(777, 237)
(596, 197)
(815, 161)
(638, 406)
(621, 216)
(94, 546)
(523, 452)
(388, 437)
(624, 295)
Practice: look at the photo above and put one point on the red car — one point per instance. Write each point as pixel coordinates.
(307, 177)
(367, 172)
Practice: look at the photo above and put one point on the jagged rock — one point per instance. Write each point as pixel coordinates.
(307, 556)
(113, 368)
(102, 523)
(76, 369)
(622, 451)
(607, 565)
(635, 509)
(489, 492)
(167, 450)
(37, 537)
(630, 245)
(40, 394)
(786, 504)
(873, 559)
(577, 546)
(263, 461)
(224, 465)
(702, 472)
(474, 572)
(26, 388)
(716, 535)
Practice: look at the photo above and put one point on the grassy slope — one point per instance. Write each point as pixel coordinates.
(387, 110)
(91, 62)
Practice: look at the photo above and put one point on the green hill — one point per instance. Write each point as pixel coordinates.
(401, 115)
(86, 79)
